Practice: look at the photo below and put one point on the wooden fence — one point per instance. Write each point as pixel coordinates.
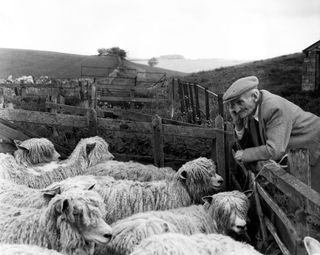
(293, 216)
(191, 102)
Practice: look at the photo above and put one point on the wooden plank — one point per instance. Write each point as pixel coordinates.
(43, 118)
(126, 126)
(196, 95)
(186, 131)
(129, 99)
(207, 106)
(220, 105)
(296, 190)
(18, 85)
(273, 232)
(67, 108)
(9, 133)
(116, 87)
(191, 102)
(258, 209)
(299, 166)
(181, 96)
(187, 101)
(279, 212)
(220, 149)
(157, 141)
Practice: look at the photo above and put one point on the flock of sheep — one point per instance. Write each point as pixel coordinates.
(92, 204)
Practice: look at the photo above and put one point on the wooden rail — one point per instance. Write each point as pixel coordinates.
(294, 183)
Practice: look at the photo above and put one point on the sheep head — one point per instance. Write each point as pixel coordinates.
(35, 151)
(75, 220)
(229, 210)
(200, 178)
(92, 150)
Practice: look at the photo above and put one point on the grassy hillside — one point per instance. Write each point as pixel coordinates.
(19, 62)
(281, 75)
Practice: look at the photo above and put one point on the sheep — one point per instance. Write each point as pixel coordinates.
(124, 197)
(88, 152)
(176, 243)
(139, 172)
(312, 245)
(35, 151)
(131, 171)
(71, 224)
(22, 196)
(22, 249)
(222, 213)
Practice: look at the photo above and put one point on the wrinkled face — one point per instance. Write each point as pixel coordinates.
(244, 106)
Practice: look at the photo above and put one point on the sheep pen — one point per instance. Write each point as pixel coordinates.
(124, 197)
(176, 243)
(222, 213)
(71, 224)
(88, 152)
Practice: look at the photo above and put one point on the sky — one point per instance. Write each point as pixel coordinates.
(229, 29)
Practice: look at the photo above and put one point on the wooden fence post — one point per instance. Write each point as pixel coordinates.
(230, 162)
(2, 97)
(181, 96)
(171, 97)
(191, 102)
(157, 131)
(206, 100)
(196, 95)
(92, 119)
(187, 101)
(299, 166)
(220, 105)
(220, 148)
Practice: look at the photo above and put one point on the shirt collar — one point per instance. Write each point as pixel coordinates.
(255, 115)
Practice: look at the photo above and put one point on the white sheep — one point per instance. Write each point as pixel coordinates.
(22, 196)
(35, 151)
(139, 172)
(88, 152)
(23, 249)
(223, 213)
(124, 197)
(176, 243)
(312, 245)
(131, 171)
(72, 223)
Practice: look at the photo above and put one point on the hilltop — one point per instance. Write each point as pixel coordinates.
(281, 75)
(19, 62)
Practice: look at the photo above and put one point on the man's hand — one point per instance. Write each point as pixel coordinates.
(237, 121)
(238, 155)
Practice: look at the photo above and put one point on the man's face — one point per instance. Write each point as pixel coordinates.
(243, 106)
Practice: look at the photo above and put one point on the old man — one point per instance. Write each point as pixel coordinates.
(267, 125)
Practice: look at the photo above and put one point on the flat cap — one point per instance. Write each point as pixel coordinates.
(239, 87)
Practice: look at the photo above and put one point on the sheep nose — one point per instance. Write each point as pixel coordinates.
(242, 228)
(107, 236)
(220, 181)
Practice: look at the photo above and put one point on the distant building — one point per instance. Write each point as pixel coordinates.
(311, 68)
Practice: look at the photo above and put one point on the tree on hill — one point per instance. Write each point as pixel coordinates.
(114, 51)
(153, 61)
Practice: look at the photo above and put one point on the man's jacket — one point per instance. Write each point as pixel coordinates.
(282, 126)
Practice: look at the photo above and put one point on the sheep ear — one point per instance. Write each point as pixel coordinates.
(51, 190)
(183, 175)
(62, 206)
(312, 245)
(207, 199)
(18, 145)
(90, 147)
